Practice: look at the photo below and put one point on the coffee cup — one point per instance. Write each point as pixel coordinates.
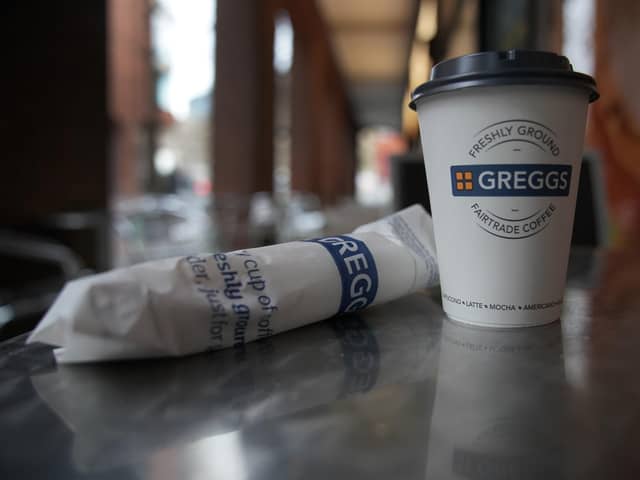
(502, 137)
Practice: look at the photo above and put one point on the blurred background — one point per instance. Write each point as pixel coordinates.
(140, 129)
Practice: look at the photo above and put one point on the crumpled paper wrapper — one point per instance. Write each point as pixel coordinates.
(196, 303)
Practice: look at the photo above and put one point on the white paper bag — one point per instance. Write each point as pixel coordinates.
(191, 304)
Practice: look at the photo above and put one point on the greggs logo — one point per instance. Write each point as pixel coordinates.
(464, 180)
(511, 180)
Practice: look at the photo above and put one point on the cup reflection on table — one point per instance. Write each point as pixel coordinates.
(498, 406)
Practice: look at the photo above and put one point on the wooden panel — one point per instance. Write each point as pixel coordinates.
(367, 11)
(131, 96)
(243, 97)
(323, 159)
(371, 38)
(367, 56)
(323, 132)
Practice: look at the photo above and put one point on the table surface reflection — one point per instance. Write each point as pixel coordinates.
(396, 392)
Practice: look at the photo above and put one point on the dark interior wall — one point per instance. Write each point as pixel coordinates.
(54, 124)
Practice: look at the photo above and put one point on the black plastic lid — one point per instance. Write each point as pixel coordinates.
(511, 67)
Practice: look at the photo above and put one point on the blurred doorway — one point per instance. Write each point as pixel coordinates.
(183, 44)
(162, 74)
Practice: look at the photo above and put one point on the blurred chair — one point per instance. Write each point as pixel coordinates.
(33, 272)
(154, 226)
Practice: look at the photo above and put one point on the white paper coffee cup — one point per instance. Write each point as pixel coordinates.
(502, 136)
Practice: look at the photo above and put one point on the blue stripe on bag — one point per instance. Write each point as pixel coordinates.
(357, 269)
